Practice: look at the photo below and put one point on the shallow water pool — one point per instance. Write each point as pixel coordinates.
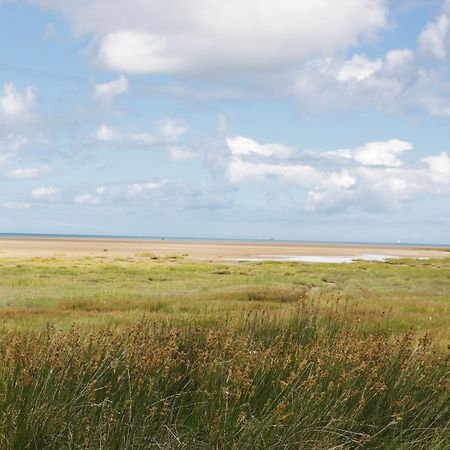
(321, 259)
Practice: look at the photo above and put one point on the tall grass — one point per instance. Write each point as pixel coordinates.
(307, 379)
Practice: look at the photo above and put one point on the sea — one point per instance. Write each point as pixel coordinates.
(228, 239)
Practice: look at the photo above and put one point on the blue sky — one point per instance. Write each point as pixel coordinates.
(309, 120)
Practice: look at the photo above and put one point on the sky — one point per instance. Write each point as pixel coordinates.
(293, 120)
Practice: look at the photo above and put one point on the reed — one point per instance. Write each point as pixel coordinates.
(309, 378)
(139, 353)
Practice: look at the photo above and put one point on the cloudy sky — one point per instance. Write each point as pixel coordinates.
(294, 119)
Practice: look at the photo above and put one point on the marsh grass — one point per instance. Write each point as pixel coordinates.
(147, 255)
(167, 353)
(268, 380)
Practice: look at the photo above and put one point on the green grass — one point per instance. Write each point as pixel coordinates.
(140, 353)
(409, 293)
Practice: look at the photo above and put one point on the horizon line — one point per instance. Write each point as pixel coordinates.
(190, 238)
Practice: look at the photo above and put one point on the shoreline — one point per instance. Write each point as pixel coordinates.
(113, 237)
(200, 249)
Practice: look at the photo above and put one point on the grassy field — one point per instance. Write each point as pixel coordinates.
(166, 353)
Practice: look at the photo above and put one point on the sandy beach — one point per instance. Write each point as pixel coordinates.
(199, 250)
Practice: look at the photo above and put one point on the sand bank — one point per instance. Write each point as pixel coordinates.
(199, 250)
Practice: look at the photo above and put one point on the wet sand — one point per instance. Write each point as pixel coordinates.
(199, 250)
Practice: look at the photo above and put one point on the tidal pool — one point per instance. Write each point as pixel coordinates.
(321, 259)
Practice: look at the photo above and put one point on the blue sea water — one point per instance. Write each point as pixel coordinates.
(200, 239)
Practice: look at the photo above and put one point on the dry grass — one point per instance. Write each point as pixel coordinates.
(264, 380)
(172, 354)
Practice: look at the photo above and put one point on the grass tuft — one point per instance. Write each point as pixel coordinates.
(142, 353)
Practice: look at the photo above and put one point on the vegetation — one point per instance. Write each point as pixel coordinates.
(168, 353)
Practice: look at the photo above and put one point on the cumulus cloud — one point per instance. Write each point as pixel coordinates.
(27, 172)
(15, 104)
(166, 131)
(433, 38)
(303, 43)
(241, 145)
(91, 198)
(439, 168)
(398, 82)
(136, 190)
(136, 52)
(399, 60)
(185, 36)
(106, 133)
(375, 153)
(372, 189)
(241, 170)
(109, 135)
(172, 129)
(358, 68)
(436, 105)
(45, 193)
(355, 83)
(108, 91)
(370, 177)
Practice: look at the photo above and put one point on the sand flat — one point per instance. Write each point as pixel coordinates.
(197, 250)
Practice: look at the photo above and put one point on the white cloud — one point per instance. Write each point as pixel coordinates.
(136, 52)
(29, 172)
(106, 133)
(108, 91)
(167, 131)
(14, 104)
(436, 105)
(245, 146)
(325, 83)
(375, 153)
(303, 44)
(197, 36)
(398, 81)
(93, 198)
(172, 129)
(432, 40)
(10, 145)
(109, 135)
(439, 167)
(341, 179)
(399, 59)
(371, 177)
(358, 68)
(136, 190)
(45, 193)
(240, 170)
(402, 83)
